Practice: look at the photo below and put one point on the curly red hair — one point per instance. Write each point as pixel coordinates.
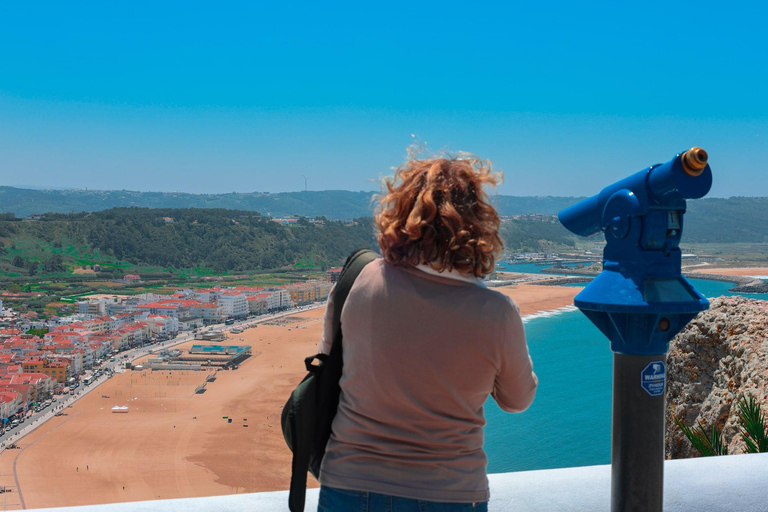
(436, 212)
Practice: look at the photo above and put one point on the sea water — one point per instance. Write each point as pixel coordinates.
(569, 422)
(530, 268)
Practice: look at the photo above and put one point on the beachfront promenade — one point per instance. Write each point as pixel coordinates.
(66, 401)
(732, 483)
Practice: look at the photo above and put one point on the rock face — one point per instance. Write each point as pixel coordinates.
(720, 356)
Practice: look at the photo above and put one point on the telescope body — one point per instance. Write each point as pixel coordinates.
(641, 300)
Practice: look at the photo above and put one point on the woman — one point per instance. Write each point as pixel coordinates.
(425, 343)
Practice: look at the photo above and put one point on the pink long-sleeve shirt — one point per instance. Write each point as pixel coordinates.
(421, 355)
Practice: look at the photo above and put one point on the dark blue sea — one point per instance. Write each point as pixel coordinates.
(569, 423)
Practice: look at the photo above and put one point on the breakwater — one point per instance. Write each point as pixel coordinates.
(591, 270)
(560, 281)
(743, 284)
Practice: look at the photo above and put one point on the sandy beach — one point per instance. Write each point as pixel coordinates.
(746, 271)
(174, 443)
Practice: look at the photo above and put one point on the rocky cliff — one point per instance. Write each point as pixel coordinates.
(720, 356)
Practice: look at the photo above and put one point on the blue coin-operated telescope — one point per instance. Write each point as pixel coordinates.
(640, 301)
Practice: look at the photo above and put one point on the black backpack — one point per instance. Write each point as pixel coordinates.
(309, 411)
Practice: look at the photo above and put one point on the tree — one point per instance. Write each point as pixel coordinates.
(18, 261)
(54, 264)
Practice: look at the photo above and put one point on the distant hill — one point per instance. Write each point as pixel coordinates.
(736, 219)
(332, 204)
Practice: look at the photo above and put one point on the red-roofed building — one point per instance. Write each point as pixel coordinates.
(101, 346)
(248, 290)
(14, 368)
(10, 403)
(40, 385)
(7, 333)
(25, 390)
(129, 335)
(6, 358)
(56, 368)
(333, 274)
(159, 324)
(258, 304)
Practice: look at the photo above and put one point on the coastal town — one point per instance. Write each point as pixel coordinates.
(43, 360)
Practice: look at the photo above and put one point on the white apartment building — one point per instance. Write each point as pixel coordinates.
(276, 299)
(202, 295)
(206, 311)
(10, 403)
(162, 324)
(233, 304)
(283, 299)
(91, 307)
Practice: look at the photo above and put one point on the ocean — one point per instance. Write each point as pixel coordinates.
(569, 423)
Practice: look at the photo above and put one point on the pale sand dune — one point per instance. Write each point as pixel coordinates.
(158, 450)
(746, 271)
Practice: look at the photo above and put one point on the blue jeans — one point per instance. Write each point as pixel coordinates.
(342, 500)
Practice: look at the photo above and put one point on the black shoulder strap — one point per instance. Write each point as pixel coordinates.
(352, 268)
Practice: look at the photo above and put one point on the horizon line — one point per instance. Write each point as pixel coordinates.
(37, 188)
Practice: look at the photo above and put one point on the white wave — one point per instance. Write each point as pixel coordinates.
(549, 312)
(758, 277)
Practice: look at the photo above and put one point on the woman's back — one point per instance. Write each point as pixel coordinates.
(421, 355)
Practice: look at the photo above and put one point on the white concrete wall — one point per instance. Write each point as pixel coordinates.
(733, 483)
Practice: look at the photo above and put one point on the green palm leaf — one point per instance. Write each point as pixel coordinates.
(753, 427)
(706, 444)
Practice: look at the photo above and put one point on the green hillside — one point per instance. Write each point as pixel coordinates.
(219, 240)
(332, 204)
(123, 240)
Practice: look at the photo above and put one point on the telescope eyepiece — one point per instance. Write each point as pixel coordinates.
(694, 161)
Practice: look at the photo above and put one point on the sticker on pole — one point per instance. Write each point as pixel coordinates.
(653, 378)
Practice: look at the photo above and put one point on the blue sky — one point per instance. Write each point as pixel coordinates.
(565, 97)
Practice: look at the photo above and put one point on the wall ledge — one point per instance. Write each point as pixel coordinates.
(732, 483)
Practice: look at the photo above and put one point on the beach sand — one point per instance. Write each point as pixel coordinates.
(746, 271)
(174, 443)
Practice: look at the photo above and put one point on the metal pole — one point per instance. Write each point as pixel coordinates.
(637, 443)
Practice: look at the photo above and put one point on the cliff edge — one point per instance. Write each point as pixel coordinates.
(720, 356)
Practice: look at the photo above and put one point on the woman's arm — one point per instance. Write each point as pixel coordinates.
(515, 384)
(326, 341)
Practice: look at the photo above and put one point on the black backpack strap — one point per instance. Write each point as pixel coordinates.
(352, 268)
(302, 430)
(299, 467)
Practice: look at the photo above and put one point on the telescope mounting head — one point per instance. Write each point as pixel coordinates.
(641, 300)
